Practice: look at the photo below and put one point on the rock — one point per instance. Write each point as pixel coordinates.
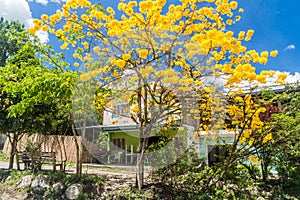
(58, 188)
(6, 196)
(9, 177)
(40, 183)
(233, 186)
(73, 191)
(25, 181)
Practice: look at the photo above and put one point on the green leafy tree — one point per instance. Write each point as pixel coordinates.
(34, 98)
(12, 37)
(284, 154)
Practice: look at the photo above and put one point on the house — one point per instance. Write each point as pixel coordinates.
(117, 139)
(213, 147)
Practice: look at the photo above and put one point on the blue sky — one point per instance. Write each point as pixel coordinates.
(276, 24)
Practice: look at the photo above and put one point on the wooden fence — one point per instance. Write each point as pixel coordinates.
(63, 146)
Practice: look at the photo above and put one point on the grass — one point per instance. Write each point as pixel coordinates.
(3, 157)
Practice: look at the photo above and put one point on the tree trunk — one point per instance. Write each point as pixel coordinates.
(264, 170)
(140, 170)
(77, 149)
(82, 143)
(140, 163)
(13, 143)
(264, 166)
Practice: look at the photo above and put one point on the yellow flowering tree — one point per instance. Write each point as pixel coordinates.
(155, 55)
(246, 120)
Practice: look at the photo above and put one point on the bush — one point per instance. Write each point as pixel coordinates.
(190, 178)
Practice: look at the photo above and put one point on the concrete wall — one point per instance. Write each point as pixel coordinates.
(2, 141)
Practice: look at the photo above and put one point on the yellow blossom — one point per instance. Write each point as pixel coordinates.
(143, 53)
(249, 35)
(126, 56)
(76, 64)
(241, 35)
(267, 138)
(64, 45)
(59, 32)
(282, 75)
(44, 17)
(67, 28)
(96, 49)
(264, 54)
(242, 140)
(251, 141)
(254, 159)
(196, 135)
(247, 133)
(274, 53)
(233, 5)
(32, 30)
(281, 78)
(120, 63)
(86, 45)
(45, 28)
(110, 10)
(229, 22)
(75, 55)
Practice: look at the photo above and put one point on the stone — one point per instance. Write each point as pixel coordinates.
(73, 191)
(9, 177)
(58, 188)
(40, 183)
(25, 182)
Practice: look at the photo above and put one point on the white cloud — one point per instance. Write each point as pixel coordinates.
(44, 2)
(293, 78)
(290, 47)
(43, 36)
(22, 13)
(58, 1)
(271, 82)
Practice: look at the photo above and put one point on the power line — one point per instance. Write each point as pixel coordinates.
(256, 13)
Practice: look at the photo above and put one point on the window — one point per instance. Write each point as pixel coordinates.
(118, 143)
(120, 110)
(216, 154)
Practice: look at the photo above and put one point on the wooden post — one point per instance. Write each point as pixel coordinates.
(54, 161)
(126, 154)
(131, 157)
(17, 161)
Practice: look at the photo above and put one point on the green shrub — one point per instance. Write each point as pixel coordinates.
(83, 196)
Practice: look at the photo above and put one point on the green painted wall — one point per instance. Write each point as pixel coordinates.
(131, 138)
